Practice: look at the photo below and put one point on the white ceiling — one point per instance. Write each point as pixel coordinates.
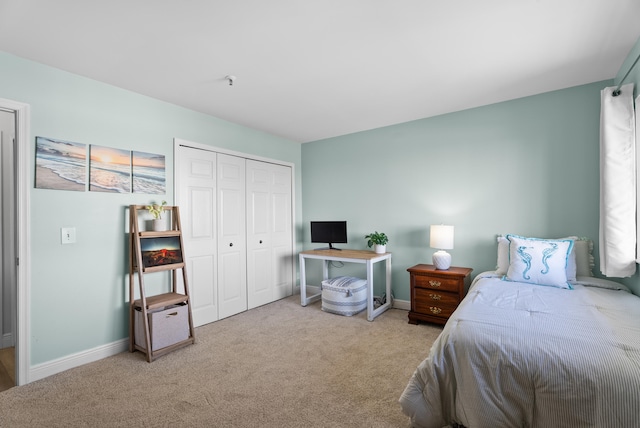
(312, 69)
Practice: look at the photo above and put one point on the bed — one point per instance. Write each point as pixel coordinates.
(523, 353)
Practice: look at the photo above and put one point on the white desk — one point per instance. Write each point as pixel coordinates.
(349, 256)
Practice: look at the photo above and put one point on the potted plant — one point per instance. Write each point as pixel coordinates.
(378, 240)
(156, 211)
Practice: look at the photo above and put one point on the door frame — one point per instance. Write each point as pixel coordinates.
(177, 142)
(23, 221)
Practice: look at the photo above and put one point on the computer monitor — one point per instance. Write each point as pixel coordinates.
(329, 232)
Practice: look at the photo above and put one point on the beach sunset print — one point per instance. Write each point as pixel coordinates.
(109, 170)
(60, 165)
(148, 173)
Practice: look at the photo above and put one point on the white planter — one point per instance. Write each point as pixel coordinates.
(158, 225)
(380, 249)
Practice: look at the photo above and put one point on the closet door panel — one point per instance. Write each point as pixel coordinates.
(196, 183)
(269, 235)
(258, 236)
(281, 234)
(232, 249)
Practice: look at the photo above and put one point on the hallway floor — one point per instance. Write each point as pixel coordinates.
(7, 369)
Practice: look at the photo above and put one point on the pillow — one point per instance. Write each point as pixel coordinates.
(539, 261)
(581, 261)
(585, 262)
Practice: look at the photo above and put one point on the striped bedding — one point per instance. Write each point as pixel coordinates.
(524, 355)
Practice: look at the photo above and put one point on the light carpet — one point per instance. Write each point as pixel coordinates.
(279, 365)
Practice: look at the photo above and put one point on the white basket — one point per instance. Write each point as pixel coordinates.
(344, 295)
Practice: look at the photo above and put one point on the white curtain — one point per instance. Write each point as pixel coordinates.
(637, 181)
(617, 183)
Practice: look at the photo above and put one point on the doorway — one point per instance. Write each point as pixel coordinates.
(8, 288)
(16, 260)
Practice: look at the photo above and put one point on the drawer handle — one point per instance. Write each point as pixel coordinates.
(435, 296)
(434, 283)
(172, 314)
(435, 310)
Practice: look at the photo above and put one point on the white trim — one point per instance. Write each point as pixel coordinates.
(23, 221)
(41, 371)
(180, 142)
(405, 305)
(7, 340)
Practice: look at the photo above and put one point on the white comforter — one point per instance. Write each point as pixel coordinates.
(522, 355)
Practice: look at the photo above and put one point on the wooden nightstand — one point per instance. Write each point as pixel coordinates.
(435, 294)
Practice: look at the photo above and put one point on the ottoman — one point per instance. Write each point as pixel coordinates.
(344, 295)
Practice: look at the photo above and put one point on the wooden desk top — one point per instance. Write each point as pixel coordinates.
(345, 254)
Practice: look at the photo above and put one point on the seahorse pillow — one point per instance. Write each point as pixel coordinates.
(539, 261)
(581, 261)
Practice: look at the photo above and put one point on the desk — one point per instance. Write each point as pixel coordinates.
(349, 256)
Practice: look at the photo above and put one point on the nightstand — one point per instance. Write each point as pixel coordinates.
(435, 294)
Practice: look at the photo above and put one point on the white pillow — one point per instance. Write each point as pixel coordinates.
(581, 261)
(539, 261)
(585, 262)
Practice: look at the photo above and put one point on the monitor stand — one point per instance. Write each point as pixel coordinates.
(330, 247)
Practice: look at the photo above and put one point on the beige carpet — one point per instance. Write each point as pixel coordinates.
(280, 365)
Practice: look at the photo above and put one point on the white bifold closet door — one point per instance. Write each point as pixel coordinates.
(232, 247)
(237, 230)
(197, 199)
(269, 245)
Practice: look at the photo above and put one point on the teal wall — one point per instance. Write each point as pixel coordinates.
(634, 73)
(528, 166)
(79, 292)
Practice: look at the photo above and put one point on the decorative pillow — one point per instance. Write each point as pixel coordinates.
(539, 261)
(581, 261)
(585, 262)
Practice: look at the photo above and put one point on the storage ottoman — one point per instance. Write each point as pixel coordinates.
(344, 295)
(167, 326)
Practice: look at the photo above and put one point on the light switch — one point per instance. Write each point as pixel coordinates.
(68, 235)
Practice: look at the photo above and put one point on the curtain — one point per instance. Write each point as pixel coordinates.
(637, 181)
(617, 183)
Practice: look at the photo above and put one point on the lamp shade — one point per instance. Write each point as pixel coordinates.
(441, 237)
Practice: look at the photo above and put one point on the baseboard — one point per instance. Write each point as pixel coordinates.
(41, 371)
(405, 305)
(7, 341)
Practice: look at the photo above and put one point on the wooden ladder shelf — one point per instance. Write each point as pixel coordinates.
(153, 251)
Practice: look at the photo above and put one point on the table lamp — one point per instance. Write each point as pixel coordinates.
(442, 239)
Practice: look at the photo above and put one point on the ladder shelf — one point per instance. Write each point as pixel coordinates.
(159, 323)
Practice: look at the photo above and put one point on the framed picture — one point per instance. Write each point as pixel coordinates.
(60, 165)
(109, 170)
(160, 251)
(148, 173)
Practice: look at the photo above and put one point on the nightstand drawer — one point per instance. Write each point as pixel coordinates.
(437, 283)
(435, 309)
(432, 297)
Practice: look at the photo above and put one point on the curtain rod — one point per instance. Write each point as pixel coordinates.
(617, 91)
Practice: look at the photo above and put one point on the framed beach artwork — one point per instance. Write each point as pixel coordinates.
(148, 173)
(60, 165)
(109, 170)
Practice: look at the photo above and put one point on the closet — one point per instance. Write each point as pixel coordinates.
(237, 227)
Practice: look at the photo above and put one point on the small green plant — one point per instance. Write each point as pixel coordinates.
(156, 210)
(377, 238)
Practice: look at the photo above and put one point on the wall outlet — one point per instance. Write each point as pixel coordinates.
(68, 235)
